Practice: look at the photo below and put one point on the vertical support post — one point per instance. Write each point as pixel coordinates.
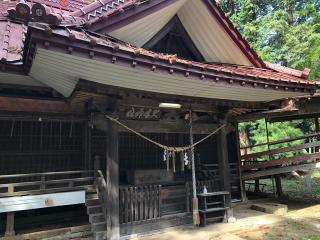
(277, 178)
(242, 183)
(224, 168)
(87, 148)
(112, 176)
(317, 128)
(96, 165)
(195, 205)
(279, 191)
(10, 224)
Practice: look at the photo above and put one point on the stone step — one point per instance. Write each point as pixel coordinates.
(102, 235)
(95, 218)
(98, 227)
(94, 209)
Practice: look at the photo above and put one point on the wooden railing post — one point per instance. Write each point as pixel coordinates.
(10, 224)
(43, 182)
(10, 189)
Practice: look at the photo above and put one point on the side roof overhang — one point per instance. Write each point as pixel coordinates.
(63, 56)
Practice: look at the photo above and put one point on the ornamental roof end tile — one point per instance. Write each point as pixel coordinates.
(294, 72)
(12, 42)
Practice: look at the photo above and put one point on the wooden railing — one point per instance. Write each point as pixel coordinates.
(252, 165)
(101, 187)
(140, 203)
(40, 183)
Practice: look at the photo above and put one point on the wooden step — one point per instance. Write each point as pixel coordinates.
(217, 209)
(92, 202)
(94, 209)
(95, 218)
(91, 196)
(98, 227)
(214, 203)
(102, 235)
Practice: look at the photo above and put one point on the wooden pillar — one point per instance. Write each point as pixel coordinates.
(195, 204)
(10, 224)
(242, 183)
(224, 167)
(317, 128)
(112, 177)
(87, 147)
(256, 186)
(279, 191)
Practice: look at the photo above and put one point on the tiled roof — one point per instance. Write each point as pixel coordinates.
(103, 8)
(290, 71)
(4, 6)
(12, 39)
(252, 73)
(67, 5)
(39, 12)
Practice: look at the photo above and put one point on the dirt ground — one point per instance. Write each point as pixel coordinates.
(301, 223)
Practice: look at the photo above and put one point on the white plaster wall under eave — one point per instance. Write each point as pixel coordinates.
(211, 39)
(141, 31)
(62, 71)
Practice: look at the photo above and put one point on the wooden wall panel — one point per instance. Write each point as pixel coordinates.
(36, 146)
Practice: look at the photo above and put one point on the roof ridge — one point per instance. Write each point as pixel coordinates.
(287, 70)
(99, 6)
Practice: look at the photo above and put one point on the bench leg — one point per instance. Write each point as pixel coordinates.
(10, 224)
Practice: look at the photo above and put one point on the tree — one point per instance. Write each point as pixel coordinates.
(285, 32)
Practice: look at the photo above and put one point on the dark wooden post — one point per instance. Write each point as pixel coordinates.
(317, 128)
(112, 176)
(224, 168)
(279, 191)
(10, 224)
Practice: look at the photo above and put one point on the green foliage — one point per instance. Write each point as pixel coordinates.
(286, 32)
(256, 133)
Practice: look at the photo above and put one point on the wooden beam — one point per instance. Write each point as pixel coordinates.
(284, 140)
(162, 126)
(128, 95)
(40, 106)
(280, 150)
(270, 172)
(277, 162)
(296, 116)
(112, 176)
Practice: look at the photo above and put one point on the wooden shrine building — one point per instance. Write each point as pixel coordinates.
(100, 103)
